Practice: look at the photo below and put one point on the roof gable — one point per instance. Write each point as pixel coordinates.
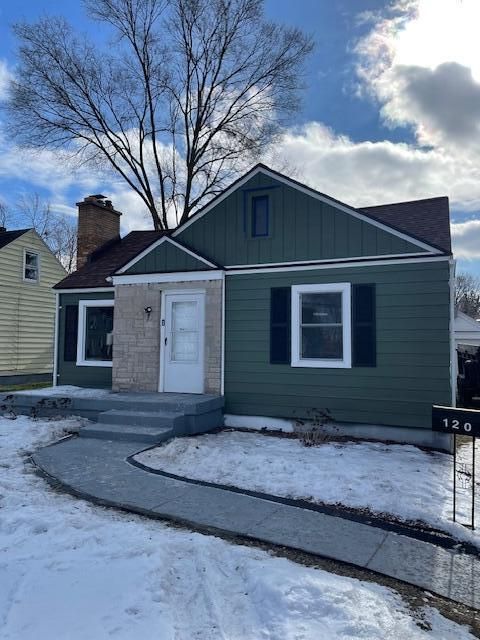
(407, 230)
(166, 256)
(9, 236)
(303, 226)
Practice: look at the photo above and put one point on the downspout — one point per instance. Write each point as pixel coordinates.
(453, 350)
(55, 338)
(222, 367)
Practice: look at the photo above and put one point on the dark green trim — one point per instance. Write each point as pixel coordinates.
(68, 371)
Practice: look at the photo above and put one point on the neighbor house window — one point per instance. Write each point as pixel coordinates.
(321, 325)
(260, 221)
(30, 266)
(95, 333)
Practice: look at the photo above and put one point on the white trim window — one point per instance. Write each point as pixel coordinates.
(321, 325)
(95, 333)
(31, 266)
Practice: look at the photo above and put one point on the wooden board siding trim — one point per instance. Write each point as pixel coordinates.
(413, 350)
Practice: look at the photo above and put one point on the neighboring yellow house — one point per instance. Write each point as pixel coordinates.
(28, 271)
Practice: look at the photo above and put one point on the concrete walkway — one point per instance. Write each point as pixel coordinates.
(98, 470)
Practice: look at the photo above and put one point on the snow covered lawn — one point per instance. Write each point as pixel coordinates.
(69, 570)
(400, 480)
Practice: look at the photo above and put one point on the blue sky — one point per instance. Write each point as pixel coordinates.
(391, 110)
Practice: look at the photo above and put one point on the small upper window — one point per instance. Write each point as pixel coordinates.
(259, 216)
(30, 266)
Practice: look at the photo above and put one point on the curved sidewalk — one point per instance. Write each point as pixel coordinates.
(98, 470)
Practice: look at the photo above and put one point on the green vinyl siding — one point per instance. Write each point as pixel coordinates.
(167, 258)
(69, 372)
(301, 228)
(413, 349)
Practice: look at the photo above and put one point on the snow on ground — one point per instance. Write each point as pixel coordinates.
(401, 480)
(66, 390)
(73, 571)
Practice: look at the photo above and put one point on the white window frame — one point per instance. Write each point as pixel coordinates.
(33, 253)
(82, 326)
(341, 287)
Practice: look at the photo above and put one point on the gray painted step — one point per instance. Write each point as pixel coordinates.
(189, 404)
(127, 432)
(142, 418)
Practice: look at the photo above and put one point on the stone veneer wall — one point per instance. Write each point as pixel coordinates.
(136, 340)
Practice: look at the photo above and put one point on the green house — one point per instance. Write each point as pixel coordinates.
(286, 301)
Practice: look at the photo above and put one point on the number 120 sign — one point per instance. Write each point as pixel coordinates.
(465, 422)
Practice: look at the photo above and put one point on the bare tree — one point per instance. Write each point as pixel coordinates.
(59, 231)
(5, 215)
(467, 294)
(187, 94)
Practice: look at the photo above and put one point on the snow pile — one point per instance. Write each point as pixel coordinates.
(401, 480)
(71, 570)
(66, 390)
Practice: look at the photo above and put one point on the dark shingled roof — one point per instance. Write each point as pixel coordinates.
(107, 260)
(427, 220)
(9, 236)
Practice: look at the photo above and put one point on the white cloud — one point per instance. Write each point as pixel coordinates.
(466, 239)
(443, 104)
(43, 168)
(366, 173)
(5, 77)
(420, 61)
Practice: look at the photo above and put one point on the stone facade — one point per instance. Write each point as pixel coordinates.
(136, 341)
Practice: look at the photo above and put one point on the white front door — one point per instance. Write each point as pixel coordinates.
(183, 342)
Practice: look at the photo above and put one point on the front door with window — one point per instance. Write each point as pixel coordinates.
(183, 342)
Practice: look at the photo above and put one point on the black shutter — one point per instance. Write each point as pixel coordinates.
(280, 301)
(71, 330)
(364, 330)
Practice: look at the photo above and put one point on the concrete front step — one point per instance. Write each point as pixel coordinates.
(195, 406)
(127, 432)
(123, 416)
(143, 418)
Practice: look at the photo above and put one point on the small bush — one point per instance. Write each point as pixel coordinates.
(312, 429)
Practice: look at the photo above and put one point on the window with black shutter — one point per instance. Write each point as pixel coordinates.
(71, 332)
(364, 332)
(280, 301)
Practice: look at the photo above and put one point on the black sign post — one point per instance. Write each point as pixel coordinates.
(459, 422)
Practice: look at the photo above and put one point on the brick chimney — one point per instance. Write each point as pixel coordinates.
(98, 224)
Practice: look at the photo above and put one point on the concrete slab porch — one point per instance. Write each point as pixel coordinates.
(141, 417)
